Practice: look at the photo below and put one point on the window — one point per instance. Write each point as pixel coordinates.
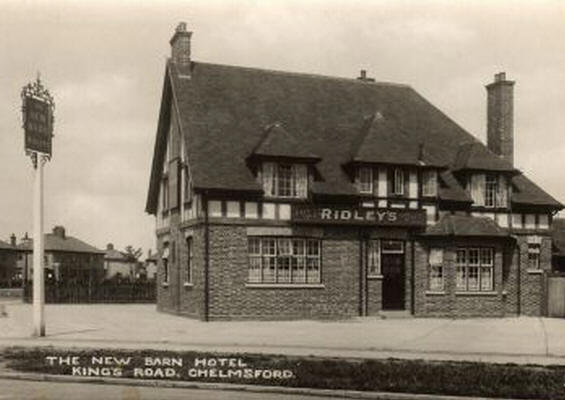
(534, 255)
(284, 260)
(429, 183)
(474, 269)
(165, 260)
(398, 181)
(392, 246)
(489, 190)
(165, 191)
(285, 180)
(186, 184)
(188, 272)
(365, 180)
(373, 258)
(436, 278)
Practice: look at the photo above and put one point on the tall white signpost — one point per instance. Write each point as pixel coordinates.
(37, 109)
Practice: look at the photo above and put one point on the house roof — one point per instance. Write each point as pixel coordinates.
(116, 255)
(5, 246)
(278, 142)
(558, 236)
(222, 110)
(67, 244)
(468, 226)
(476, 156)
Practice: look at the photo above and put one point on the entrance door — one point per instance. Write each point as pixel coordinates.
(392, 267)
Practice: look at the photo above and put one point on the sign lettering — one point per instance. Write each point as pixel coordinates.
(332, 214)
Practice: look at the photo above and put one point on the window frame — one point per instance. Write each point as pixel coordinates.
(189, 260)
(429, 180)
(270, 253)
(297, 185)
(475, 266)
(436, 272)
(165, 262)
(491, 190)
(398, 182)
(374, 258)
(534, 253)
(365, 187)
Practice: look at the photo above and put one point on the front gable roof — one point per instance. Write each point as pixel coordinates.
(476, 156)
(222, 109)
(279, 142)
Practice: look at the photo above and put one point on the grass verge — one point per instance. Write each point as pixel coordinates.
(390, 375)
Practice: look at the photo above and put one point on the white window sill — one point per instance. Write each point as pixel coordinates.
(375, 277)
(435, 293)
(285, 285)
(535, 271)
(188, 284)
(477, 293)
(165, 284)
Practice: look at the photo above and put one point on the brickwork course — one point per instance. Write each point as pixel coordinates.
(225, 134)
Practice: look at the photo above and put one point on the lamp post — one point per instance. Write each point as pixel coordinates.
(37, 110)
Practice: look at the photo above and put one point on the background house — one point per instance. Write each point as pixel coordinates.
(119, 266)
(10, 275)
(67, 259)
(558, 235)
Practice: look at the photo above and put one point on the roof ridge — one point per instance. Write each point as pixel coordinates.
(307, 75)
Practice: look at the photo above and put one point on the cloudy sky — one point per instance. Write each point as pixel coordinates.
(104, 61)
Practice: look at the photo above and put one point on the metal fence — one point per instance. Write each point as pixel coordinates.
(107, 292)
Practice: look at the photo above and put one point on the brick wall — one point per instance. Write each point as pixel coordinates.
(230, 298)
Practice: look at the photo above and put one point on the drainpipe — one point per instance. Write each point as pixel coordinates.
(206, 258)
(412, 280)
(519, 280)
(362, 278)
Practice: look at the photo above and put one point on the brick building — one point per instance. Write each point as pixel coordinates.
(283, 195)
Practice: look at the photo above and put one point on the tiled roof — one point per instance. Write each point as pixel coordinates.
(224, 108)
(558, 236)
(460, 225)
(278, 142)
(451, 190)
(527, 192)
(67, 244)
(476, 156)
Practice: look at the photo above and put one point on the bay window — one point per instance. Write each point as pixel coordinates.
(285, 180)
(285, 260)
(474, 269)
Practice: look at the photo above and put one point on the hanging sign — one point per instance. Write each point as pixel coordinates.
(37, 109)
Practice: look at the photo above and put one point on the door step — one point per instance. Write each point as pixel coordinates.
(395, 314)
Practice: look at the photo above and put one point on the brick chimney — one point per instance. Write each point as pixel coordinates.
(500, 117)
(180, 46)
(59, 231)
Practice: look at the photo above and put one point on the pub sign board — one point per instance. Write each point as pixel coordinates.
(38, 118)
(349, 215)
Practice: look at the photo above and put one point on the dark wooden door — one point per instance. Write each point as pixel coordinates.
(393, 281)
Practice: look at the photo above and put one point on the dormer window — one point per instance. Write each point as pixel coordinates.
(429, 183)
(489, 190)
(285, 180)
(365, 180)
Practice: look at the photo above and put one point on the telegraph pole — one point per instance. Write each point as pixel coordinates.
(38, 121)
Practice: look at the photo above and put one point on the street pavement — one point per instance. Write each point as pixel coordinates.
(20, 390)
(517, 339)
